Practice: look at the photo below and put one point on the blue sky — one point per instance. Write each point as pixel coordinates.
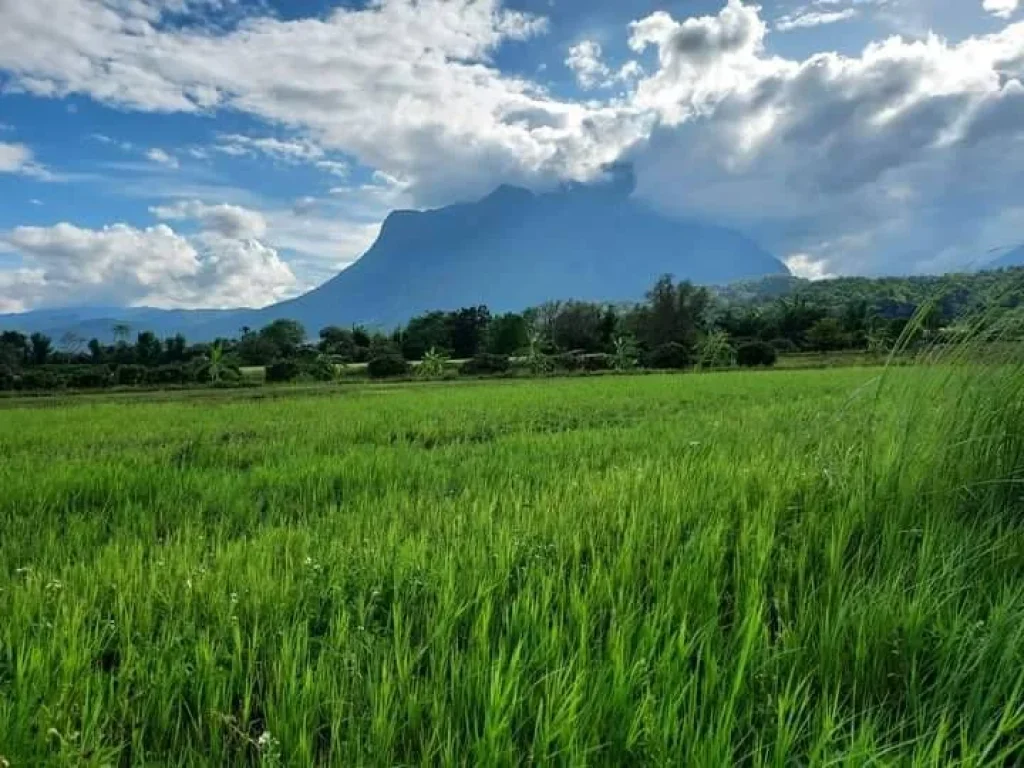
(205, 153)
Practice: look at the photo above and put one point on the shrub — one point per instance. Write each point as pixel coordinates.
(756, 353)
(167, 375)
(567, 361)
(387, 364)
(485, 364)
(671, 356)
(282, 371)
(95, 377)
(38, 379)
(130, 375)
(598, 362)
(320, 369)
(785, 346)
(8, 378)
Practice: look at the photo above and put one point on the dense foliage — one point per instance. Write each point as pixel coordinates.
(678, 325)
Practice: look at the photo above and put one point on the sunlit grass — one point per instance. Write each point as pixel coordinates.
(814, 567)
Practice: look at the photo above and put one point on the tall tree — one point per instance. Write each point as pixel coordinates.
(286, 335)
(468, 329)
(40, 349)
(148, 349)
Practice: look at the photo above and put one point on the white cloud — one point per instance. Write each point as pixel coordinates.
(366, 82)
(14, 157)
(810, 19)
(122, 265)
(584, 60)
(1002, 8)
(806, 266)
(287, 150)
(160, 157)
(911, 145)
(18, 158)
(337, 168)
(228, 221)
(869, 152)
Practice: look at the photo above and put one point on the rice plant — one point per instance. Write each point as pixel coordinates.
(771, 568)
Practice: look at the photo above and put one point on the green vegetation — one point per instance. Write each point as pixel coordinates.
(771, 568)
(677, 326)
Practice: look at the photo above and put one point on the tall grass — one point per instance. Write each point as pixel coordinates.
(810, 568)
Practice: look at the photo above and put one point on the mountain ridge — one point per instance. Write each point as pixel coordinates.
(510, 250)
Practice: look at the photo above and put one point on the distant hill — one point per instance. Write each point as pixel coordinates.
(1014, 258)
(511, 250)
(99, 322)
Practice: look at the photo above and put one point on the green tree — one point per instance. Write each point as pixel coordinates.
(40, 347)
(432, 330)
(148, 349)
(176, 349)
(578, 326)
(96, 351)
(827, 335)
(433, 365)
(468, 330)
(625, 355)
(286, 336)
(121, 331)
(672, 314)
(337, 341)
(508, 334)
(715, 351)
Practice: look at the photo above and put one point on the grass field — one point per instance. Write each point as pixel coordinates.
(772, 568)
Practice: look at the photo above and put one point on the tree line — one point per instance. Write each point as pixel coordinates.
(677, 325)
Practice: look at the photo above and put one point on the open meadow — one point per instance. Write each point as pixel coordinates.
(752, 568)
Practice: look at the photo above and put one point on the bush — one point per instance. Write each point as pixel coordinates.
(598, 362)
(671, 356)
(96, 377)
(282, 371)
(756, 353)
(485, 364)
(320, 369)
(38, 379)
(567, 361)
(387, 364)
(785, 346)
(130, 375)
(165, 375)
(8, 378)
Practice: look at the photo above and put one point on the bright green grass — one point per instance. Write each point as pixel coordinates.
(788, 568)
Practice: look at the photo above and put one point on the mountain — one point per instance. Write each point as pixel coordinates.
(99, 322)
(515, 249)
(511, 250)
(1014, 258)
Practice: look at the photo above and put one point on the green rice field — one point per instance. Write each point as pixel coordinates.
(818, 567)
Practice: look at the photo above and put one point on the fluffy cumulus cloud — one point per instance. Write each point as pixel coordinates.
(854, 159)
(123, 265)
(849, 161)
(229, 221)
(18, 158)
(364, 81)
(1001, 8)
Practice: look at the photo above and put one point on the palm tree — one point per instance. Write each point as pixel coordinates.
(216, 366)
(122, 331)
